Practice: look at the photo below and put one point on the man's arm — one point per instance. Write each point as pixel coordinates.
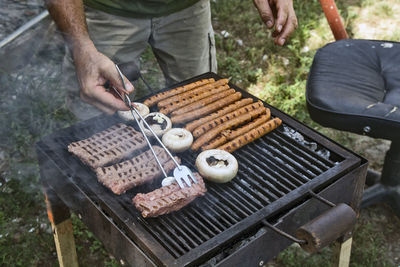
(93, 69)
(278, 13)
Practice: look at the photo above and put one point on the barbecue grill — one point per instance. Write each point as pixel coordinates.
(229, 226)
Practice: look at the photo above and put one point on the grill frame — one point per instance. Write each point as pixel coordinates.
(49, 150)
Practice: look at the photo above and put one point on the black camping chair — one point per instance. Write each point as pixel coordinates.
(354, 86)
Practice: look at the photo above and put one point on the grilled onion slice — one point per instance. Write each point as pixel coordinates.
(127, 115)
(217, 165)
(158, 122)
(177, 139)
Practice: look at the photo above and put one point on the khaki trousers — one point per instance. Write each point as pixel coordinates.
(182, 42)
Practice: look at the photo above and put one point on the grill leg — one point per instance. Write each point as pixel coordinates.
(61, 224)
(388, 190)
(342, 253)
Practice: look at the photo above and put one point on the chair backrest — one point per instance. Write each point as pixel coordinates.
(334, 20)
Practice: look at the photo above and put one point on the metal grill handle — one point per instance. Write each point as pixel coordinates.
(324, 229)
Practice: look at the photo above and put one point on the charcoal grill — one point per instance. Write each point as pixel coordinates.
(226, 227)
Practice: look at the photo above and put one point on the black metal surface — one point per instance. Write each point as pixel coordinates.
(275, 174)
(265, 244)
(290, 237)
(388, 189)
(282, 233)
(92, 215)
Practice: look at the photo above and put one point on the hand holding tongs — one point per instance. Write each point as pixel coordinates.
(181, 172)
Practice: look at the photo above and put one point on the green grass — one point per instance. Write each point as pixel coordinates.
(383, 10)
(280, 80)
(279, 72)
(24, 242)
(33, 105)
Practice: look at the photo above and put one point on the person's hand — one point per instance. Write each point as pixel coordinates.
(278, 15)
(93, 70)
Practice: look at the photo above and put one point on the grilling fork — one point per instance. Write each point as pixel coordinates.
(181, 172)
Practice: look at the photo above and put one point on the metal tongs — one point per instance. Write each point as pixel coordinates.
(181, 172)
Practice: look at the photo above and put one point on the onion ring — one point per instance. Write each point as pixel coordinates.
(217, 165)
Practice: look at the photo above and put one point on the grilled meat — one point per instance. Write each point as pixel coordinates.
(168, 198)
(136, 171)
(108, 146)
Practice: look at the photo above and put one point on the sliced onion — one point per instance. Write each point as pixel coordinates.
(177, 139)
(217, 165)
(160, 119)
(127, 115)
(167, 181)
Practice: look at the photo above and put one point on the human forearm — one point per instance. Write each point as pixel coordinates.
(70, 19)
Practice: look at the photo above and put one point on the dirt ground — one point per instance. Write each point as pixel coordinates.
(14, 13)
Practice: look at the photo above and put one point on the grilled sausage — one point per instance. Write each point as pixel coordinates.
(207, 109)
(191, 99)
(198, 90)
(215, 122)
(216, 142)
(227, 125)
(201, 103)
(228, 135)
(250, 136)
(151, 101)
(232, 134)
(194, 124)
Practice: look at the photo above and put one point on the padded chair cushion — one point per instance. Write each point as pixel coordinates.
(354, 85)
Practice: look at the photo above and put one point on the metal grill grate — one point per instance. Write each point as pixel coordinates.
(269, 169)
(274, 172)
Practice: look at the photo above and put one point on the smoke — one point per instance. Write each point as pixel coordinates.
(31, 104)
(33, 100)
(16, 14)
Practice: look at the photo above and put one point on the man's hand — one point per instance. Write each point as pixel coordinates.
(93, 70)
(278, 13)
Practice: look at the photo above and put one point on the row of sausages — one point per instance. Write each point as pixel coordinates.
(216, 115)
